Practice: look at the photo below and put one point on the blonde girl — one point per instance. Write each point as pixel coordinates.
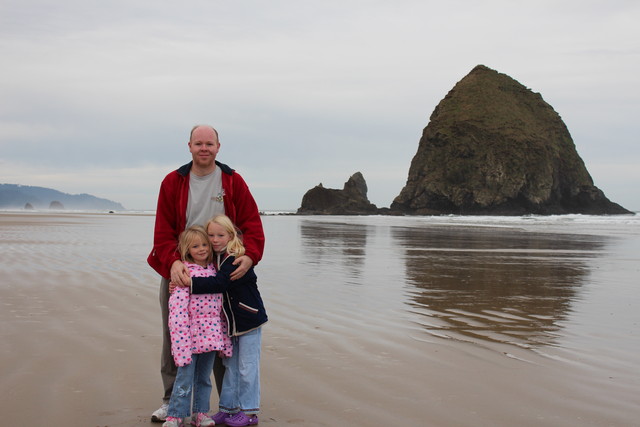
(197, 331)
(190, 242)
(245, 313)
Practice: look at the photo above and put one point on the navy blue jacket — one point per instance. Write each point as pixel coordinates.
(242, 303)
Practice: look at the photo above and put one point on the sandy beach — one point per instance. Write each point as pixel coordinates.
(373, 321)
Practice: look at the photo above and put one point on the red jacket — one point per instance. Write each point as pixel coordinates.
(171, 216)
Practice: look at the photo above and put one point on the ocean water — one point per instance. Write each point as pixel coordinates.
(568, 282)
(557, 282)
(559, 292)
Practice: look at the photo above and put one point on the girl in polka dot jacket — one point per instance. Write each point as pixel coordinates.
(198, 331)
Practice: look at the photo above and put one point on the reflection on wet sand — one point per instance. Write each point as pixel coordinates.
(500, 285)
(323, 243)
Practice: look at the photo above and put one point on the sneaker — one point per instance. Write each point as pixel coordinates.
(203, 420)
(173, 422)
(160, 414)
(241, 419)
(221, 418)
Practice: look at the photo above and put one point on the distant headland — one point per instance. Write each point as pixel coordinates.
(15, 196)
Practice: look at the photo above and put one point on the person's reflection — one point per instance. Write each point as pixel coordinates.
(499, 285)
(324, 243)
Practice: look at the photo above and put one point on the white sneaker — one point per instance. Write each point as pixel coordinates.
(202, 420)
(160, 414)
(173, 422)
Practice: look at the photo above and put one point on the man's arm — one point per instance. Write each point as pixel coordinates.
(180, 274)
(243, 264)
(165, 237)
(247, 219)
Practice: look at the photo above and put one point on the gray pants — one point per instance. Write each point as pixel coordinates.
(168, 368)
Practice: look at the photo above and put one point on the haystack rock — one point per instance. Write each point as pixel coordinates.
(494, 147)
(351, 200)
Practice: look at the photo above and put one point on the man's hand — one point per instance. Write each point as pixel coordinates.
(180, 274)
(244, 263)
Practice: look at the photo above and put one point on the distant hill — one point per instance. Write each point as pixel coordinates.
(14, 196)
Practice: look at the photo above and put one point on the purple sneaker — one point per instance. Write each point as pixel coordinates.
(241, 419)
(220, 418)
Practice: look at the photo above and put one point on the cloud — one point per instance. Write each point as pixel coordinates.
(301, 92)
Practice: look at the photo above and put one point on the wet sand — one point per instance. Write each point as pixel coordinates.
(373, 321)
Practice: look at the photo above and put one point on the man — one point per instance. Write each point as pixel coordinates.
(189, 196)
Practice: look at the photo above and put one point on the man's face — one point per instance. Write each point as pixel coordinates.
(204, 147)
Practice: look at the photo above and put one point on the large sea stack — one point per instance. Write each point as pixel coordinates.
(494, 147)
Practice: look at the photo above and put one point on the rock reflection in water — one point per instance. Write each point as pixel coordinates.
(492, 284)
(321, 242)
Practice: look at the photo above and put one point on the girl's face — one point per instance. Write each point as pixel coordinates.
(218, 236)
(199, 251)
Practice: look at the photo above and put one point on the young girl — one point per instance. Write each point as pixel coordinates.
(245, 313)
(197, 331)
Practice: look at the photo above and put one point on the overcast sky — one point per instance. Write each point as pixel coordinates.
(98, 97)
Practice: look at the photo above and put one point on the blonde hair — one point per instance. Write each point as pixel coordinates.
(234, 246)
(187, 237)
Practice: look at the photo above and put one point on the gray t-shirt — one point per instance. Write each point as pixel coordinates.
(205, 197)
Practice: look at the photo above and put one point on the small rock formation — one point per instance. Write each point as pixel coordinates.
(56, 205)
(494, 147)
(28, 207)
(352, 200)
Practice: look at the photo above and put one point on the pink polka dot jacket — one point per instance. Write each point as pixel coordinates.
(196, 322)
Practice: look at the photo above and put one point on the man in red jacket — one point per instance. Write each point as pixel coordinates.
(189, 196)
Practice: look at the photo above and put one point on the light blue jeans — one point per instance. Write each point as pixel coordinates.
(241, 383)
(194, 378)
